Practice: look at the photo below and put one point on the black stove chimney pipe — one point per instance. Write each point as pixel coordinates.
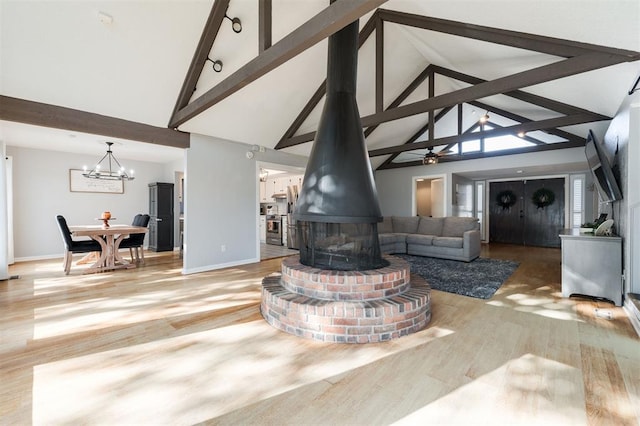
(338, 184)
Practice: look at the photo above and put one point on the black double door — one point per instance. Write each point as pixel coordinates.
(518, 214)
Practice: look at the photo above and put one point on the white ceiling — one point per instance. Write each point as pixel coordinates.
(60, 53)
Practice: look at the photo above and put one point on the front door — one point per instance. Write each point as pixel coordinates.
(527, 212)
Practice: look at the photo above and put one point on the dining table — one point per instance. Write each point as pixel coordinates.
(109, 238)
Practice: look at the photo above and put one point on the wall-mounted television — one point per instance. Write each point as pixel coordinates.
(601, 169)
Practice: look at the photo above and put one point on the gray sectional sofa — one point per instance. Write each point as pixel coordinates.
(456, 238)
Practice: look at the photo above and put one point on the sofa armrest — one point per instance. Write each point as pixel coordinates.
(471, 244)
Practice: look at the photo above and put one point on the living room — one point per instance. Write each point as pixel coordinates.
(221, 194)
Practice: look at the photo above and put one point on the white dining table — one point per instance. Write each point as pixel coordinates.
(109, 239)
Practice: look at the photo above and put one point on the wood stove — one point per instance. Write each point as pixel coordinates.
(340, 288)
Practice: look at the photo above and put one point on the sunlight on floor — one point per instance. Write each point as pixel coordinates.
(561, 309)
(527, 378)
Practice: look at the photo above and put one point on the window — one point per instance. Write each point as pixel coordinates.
(479, 207)
(577, 200)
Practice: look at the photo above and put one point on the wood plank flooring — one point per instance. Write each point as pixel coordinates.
(151, 346)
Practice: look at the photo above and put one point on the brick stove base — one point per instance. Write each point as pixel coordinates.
(346, 306)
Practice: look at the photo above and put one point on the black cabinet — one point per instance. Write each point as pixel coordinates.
(161, 212)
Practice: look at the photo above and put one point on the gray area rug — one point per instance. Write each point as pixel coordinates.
(480, 278)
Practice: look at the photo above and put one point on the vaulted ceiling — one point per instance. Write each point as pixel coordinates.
(428, 70)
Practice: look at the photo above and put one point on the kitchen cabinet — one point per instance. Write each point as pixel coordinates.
(161, 216)
(263, 229)
(263, 191)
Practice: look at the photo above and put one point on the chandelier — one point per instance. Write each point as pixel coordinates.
(108, 173)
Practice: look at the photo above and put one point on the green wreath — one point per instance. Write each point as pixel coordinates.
(506, 199)
(543, 197)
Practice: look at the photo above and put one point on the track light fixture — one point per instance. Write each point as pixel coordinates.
(236, 25)
(485, 117)
(521, 134)
(216, 65)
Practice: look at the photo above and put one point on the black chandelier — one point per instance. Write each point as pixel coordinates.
(110, 172)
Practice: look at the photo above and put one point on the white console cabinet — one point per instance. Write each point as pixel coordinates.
(591, 266)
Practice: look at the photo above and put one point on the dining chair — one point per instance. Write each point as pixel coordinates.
(74, 246)
(136, 241)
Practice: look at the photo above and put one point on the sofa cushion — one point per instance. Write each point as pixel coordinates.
(424, 240)
(392, 238)
(457, 226)
(386, 226)
(430, 225)
(451, 242)
(407, 225)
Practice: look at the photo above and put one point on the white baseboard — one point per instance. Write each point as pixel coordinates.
(633, 314)
(206, 268)
(45, 257)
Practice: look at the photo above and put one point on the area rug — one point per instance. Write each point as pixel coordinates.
(479, 278)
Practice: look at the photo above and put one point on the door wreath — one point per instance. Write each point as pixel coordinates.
(543, 197)
(506, 199)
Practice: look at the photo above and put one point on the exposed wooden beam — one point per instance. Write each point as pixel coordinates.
(521, 119)
(264, 25)
(365, 32)
(537, 43)
(531, 77)
(420, 132)
(296, 140)
(431, 94)
(333, 18)
(46, 115)
(525, 138)
(404, 95)
(478, 155)
(541, 101)
(526, 127)
(510, 83)
(379, 65)
(208, 36)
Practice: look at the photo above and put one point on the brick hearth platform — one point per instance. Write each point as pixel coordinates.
(346, 306)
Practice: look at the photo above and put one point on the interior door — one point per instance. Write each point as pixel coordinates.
(519, 215)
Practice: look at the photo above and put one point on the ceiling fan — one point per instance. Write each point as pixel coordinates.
(430, 157)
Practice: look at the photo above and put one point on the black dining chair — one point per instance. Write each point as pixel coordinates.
(136, 241)
(74, 246)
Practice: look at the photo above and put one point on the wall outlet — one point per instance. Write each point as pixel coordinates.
(223, 248)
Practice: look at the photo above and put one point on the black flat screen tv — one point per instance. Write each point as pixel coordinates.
(601, 169)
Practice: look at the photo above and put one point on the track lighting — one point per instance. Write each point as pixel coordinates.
(485, 117)
(236, 25)
(216, 65)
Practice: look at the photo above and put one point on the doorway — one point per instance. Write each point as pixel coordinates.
(527, 212)
(429, 197)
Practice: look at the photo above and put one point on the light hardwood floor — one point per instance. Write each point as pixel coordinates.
(151, 346)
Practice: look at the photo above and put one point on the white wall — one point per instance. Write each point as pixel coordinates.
(632, 235)
(41, 191)
(221, 202)
(395, 186)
